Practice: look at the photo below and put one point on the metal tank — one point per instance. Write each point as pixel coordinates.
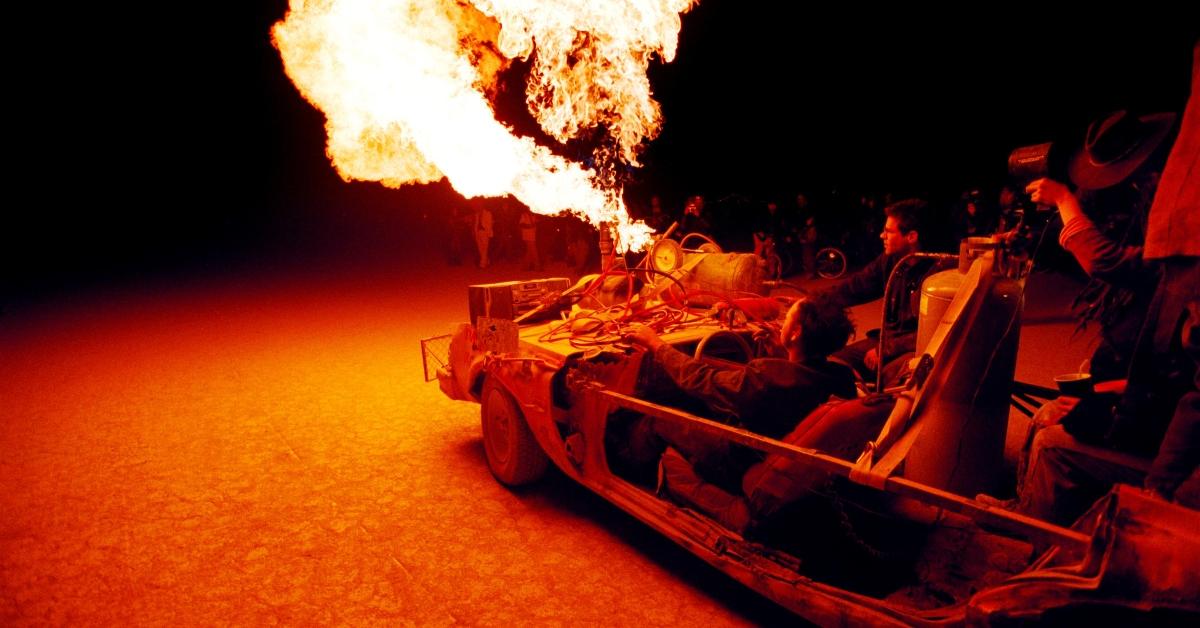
(719, 275)
(964, 406)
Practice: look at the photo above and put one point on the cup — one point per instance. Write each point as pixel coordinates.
(1075, 384)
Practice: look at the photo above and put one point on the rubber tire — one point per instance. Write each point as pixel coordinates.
(513, 454)
(831, 262)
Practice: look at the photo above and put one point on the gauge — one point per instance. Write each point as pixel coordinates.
(666, 255)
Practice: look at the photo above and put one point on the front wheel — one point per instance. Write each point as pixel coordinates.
(831, 262)
(513, 454)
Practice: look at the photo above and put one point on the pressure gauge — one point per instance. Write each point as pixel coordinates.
(666, 255)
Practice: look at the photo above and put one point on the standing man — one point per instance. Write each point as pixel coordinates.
(528, 224)
(483, 233)
(806, 234)
(694, 219)
(1085, 444)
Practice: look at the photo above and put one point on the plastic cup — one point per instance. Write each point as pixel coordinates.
(1075, 384)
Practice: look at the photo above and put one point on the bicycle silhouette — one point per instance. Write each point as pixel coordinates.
(831, 262)
(778, 262)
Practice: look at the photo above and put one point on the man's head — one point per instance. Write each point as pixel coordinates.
(902, 229)
(814, 328)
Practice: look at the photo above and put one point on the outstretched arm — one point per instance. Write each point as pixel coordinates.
(725, 390)
(1099, 256)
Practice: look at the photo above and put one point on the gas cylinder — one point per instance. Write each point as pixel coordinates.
(939, 289)
(723, 274)
(963, 411)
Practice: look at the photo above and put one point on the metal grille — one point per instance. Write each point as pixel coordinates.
(435, 353)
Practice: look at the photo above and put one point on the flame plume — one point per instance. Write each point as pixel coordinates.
(405, 86)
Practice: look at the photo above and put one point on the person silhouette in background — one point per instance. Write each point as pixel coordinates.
(528, 224)
(693, 220)
(483, 233)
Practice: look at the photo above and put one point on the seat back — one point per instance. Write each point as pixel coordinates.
(950, 431)
(962, 409)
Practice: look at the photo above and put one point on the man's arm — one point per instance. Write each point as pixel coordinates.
(1099, 256)
(726, 390)
(864, 286)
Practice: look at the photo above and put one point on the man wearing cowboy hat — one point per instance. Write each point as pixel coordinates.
(1064, 475)
(1117, 149)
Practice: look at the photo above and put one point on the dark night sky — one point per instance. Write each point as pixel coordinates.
(181, 145)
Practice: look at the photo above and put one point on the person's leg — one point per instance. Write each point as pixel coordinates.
(839, 429)
(896, 371)
(808, 253)
(1188, 493)
(482, 241)
(681, 482)
(454, 246)
(531, 256)
(640, 444)
(1065, 477)
(688, 441)
(852, 355)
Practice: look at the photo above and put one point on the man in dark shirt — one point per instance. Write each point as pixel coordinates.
(901, 236)
(767, 395)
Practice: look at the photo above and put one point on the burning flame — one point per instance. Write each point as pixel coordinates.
(404, 86)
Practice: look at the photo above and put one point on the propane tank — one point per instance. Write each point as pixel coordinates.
(939, 289)
(964, 407)
(723, 274)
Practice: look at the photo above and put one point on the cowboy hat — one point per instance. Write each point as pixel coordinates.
(1115, 146)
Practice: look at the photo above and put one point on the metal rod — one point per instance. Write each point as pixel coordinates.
(1020, 407)
(1018, 524)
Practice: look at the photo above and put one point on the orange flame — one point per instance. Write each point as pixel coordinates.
(404, 83)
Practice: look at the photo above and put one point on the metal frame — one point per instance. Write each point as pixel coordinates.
(427, 355)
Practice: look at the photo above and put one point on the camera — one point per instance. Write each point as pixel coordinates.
(1030, 162)
(1048, 159)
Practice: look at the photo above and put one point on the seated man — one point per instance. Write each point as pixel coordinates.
(1085, 446)
(906, 221)
(768, 396)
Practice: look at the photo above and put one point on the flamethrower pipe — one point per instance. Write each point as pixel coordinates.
(666, 234)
